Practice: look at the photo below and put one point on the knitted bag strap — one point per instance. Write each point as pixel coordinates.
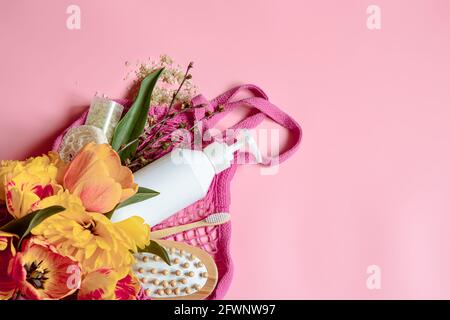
(264, 109)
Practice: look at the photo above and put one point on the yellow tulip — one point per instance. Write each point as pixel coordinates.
(90, 237)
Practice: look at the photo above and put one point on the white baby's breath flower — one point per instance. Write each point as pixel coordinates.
(170, 80)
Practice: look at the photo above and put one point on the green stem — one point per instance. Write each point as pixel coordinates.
(153, 126)
(174, 96)
(141, 153)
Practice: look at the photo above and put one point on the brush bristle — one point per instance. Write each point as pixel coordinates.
(218, 218)
(186, 275)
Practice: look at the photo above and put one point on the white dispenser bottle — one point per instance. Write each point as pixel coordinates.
(182, 177)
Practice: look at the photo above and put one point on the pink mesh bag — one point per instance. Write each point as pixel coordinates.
(215, 240)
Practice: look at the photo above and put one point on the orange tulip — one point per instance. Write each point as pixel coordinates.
(98, 178)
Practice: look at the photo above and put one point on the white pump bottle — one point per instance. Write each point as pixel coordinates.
(182, 177)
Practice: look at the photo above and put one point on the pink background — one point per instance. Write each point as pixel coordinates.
(371, 182)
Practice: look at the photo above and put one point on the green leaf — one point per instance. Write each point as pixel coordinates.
(155, 248)
(141, 195)
(147, 190)
(126, 148)
(133, 123)
(109, 214)
(23, 226)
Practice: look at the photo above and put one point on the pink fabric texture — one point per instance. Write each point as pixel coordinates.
(216, 240)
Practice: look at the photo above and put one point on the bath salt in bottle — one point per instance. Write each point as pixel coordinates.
(104, 114)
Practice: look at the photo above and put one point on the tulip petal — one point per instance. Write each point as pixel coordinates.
(78, 167)
(98, 285)
(7, 253)
(98, 195)
(89, 250)
(97, 176)
(7, 289)
(127, 288)
(59, 275)
(135, 230)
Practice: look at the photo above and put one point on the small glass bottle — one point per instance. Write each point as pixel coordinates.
(104, 114)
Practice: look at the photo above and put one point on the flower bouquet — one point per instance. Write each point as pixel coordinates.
(60, 237)
(56, 237)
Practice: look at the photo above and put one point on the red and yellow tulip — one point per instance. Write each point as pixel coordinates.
(40, 272)
(127, 288)
(7, 253)
(104, 284)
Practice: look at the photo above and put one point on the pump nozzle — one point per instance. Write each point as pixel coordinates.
(247, 139)
(221, 155)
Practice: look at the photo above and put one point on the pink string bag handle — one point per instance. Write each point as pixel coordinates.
(265, 109)
(216, 240)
